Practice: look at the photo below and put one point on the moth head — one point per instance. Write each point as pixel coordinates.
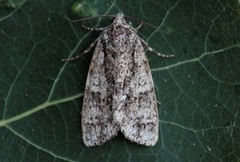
(119, 19)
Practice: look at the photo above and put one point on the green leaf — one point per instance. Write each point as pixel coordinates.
(199, 89)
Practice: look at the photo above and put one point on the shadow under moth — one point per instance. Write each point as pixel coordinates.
(119, 93)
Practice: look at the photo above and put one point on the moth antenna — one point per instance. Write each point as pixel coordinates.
(144, 22)
(88, 18)
(129, 17)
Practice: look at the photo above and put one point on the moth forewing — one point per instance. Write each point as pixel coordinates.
(138, 113)
(98, 126)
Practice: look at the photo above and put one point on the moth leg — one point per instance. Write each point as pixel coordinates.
(139, 26)
(87, 50)
(97, 29)
(152, 50)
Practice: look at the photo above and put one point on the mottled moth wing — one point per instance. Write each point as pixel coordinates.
(98, 124)
(137, 114)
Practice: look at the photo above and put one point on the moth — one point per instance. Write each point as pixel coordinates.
(119, 94)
